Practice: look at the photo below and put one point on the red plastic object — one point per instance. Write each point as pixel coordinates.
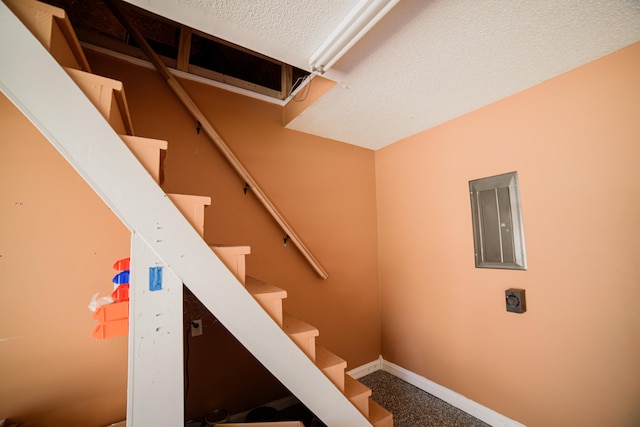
(115, 328)
(110, 312)
(121, 293)
(122, 264)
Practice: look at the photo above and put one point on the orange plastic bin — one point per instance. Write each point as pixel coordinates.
(115, 328)
(111, 312)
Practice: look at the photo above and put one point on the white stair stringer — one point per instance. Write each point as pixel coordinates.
(48, 97)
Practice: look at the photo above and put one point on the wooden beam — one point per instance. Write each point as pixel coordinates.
(184, 48)
(286, 83)
(191, 106)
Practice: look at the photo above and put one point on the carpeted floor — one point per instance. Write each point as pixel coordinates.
(412, 407)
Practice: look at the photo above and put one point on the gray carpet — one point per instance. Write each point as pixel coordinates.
(412, 407)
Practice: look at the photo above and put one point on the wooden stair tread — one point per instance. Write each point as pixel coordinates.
(95, 79)
(238, 250)
(302, 333)
(268, 296)
(295, 326)
(205, 200)
(355, 388)
(326, 359)
(379, 416)
(143, 142)
(39, 6)
(259, 288)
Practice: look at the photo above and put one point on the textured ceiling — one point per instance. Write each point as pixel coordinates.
(426, 62)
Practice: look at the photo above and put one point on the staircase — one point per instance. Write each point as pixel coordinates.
(53, 30)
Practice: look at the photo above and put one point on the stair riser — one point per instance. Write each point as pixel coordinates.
(362, 403)
(269, 297)
(103, 99)
(336, 376)
(306, 344)
(233, 258)
(192, 207)
(149, 153)
(273, 307)
(379, 416)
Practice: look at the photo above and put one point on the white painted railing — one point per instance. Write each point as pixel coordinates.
(46, 95)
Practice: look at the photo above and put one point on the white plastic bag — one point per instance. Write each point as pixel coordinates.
(98, 302)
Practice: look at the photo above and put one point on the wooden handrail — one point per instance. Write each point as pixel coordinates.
(191, 106)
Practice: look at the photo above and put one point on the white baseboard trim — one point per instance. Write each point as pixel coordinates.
(465, 404)
(366, 369)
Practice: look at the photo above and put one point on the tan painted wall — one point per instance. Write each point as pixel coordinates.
(58, 242)
(574, 357)
(325, 189)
